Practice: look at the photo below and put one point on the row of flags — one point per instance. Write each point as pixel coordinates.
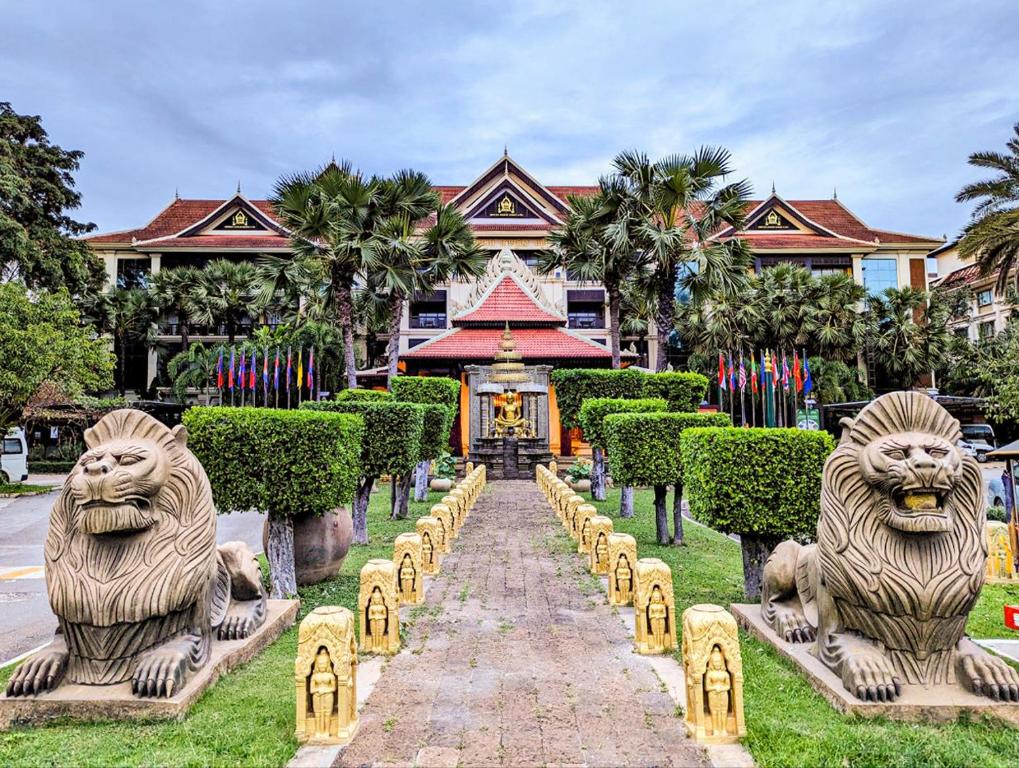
(241, 373)
(778, 381)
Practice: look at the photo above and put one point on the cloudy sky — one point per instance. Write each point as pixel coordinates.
(883, 101)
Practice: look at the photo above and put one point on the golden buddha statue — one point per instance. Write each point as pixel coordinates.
(509, 419)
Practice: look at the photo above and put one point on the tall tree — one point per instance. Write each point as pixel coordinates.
(681, 203)
(992, 237)
(37, 236)
(909, 334)
(227, 294)
(175, 292)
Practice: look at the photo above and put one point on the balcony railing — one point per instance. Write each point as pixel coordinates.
(428, 320)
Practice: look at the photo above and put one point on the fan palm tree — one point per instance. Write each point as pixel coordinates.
(783, 295)
(992, 237)
(227, 294)
(680, 203)
(835, 325)
(909, 335)
(129, 315)
(175, 292)
(193, 367)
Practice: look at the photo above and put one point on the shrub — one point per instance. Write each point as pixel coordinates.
(49, 466)
(594, 410)
(997, 514)
(391, 445)
(683, 391)
(763, 484)
(579, 470)
(574, 385)
(644, 449)
(363, 395)
(445, 467)
(427, 389)
(436, 423)
(284, 463)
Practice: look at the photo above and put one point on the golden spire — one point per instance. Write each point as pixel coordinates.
(508, 367)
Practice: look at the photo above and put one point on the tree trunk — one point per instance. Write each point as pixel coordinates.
(122, 363)
(626, 501)
(661, 515)
(614, 340)
(755, 553)
(399, 501)
(345, 312)
(421, 481)
(282, 568)
(665, 321)
(677, 515)
(362, 496)
(395, 318)
(184, 337)
(597, 474)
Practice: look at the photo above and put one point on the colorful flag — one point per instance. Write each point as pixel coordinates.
(290, 361)
(219, 370)
(785, 372)
(311, 369)
(732, 375)
(300, 367)
(276, 371)
(808, 383)
(753, 375)
(265, 369)
(230, 378)
(763, 380)
(742, 376)
(242, 372)
(251, 372)
(797, 373)
(721, 371)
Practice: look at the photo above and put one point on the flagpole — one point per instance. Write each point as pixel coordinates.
(753, 387)
(287, 380)
(796, 395)
(742, 389)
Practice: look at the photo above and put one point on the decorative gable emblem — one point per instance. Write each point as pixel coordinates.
(239, 220)
(773, 220)
(505, 208)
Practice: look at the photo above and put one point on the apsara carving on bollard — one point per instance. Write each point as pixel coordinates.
(429, 529)
(713, 668)
(133, 573)
(600, 530)
(582, 523)
(899, 560)
(622, 554)
(654, 607)
(325, 674)
(408, 556)
(379, 608)
(444, 515)
(1000, 557)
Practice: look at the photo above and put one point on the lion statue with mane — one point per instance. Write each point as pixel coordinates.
(885, 592)
(133, 572)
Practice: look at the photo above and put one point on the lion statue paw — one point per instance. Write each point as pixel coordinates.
(871, 677)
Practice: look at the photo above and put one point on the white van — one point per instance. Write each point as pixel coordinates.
(14, 457)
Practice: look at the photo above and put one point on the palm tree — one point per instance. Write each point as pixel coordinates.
(129, 315)
(909, 335)
(193, 367)
(783, 295)
(835, 325)
(992, 237)
(175, 291)
(281, 283)
(681, 202)
(227, 294)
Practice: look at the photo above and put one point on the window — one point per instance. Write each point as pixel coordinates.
(880, 275)
(12, 445)
(962, 333)
(984, 298)
(583, 315)
(986, 329)
(133, 273)
(428, 310)
(412, 342)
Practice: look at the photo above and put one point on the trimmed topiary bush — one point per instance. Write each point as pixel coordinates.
(283, 463)
(592, 414)
(644, 449)
(574, 385)
(683, 391)
(433, 390)
(763, 484)
(391, 445)
(363, 395)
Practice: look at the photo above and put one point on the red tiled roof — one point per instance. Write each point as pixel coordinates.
(770, 241)
(532, 344)
(447, 193)
(960, 277)
(507, 301)
(219, 241)
(563, 192)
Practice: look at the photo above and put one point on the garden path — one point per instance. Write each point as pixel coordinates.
(515, 659)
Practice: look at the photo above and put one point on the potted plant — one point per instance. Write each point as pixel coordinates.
(443, 474)
(579, 475)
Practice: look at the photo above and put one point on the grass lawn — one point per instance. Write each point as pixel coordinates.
(788, 724)
(247, 718)
(20, 489)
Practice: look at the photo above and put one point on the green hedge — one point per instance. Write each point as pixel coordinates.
(758, 482)
(436, 423)
(575, 385)
(276, 461)
(683, 391)
(363, 395)
(50, 466)
(427, 389)
(392, 433)
(644, 448)
(594, 411)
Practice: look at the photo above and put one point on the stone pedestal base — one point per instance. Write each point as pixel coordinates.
(917, 703)
(89, 703)
(490, 451)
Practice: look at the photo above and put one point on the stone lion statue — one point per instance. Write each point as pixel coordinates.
(899, 561)
(132, 568)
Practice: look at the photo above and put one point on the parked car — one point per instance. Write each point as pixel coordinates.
(976, 448)
(14, 457)
(979, 433)
(995, 491)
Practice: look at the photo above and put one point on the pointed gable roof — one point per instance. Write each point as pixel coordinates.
(508, 292)
(507, 173)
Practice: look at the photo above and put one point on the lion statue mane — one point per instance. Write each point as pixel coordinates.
(133, 572)
(899, 561)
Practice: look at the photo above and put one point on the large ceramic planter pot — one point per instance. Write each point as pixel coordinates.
(321, 543)
(440, 484)
(581, 486)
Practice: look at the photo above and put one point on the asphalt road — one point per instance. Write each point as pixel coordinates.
(26, 621)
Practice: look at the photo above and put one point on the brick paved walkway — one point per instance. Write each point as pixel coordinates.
(515, 659)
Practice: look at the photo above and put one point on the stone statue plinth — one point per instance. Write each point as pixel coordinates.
(325, 674)
(600, 528)
(1000, 557)
(622, 560)
(407, 556)
(430, 530)
(582, 524)
(654, 607)
(447, 525)
(713, 668)
(379, 604)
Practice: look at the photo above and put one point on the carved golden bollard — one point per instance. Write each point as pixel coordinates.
(582, 522)
(654, 607)
(468, 468)
(407, 557)
(622, 560)
(453, 505)
(1000, 557)
(379, 606)
(461, 507)
(325, 674)
(571, 505)
(600, 530)
(444, 515)
(428, 528)
(553, 468)
(714, 675)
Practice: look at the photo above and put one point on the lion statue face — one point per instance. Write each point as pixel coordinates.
(914, 472)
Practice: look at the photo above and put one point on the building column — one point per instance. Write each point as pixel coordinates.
(155, 264)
